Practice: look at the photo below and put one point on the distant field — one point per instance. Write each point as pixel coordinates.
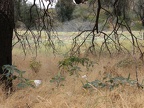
(65, 36)
(63, 40)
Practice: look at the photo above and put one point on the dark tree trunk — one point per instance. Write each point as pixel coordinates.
(6, 33)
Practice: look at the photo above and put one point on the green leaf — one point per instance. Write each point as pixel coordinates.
(22, 85)
(86, 86)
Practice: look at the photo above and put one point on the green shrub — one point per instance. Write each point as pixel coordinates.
(58, 79)
(35, 65)
(71, 64)
(112, 82)
(12, 73)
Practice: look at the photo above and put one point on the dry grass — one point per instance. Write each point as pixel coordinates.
(72, 95)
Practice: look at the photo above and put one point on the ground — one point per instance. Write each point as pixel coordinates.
(72, 94)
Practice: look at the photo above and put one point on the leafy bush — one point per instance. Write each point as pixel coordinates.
(112, 82)
(12, 73)
(58, 79)
(35, 65)
(70, 64)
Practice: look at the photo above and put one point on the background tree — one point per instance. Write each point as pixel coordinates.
(25, 13)
(64, 9)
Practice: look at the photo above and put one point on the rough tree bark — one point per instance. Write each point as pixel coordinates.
(6, 33)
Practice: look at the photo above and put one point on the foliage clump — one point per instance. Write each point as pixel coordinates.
(58, 79)
(35, 65)
(112, 82)
(11, 72)
(71, 64)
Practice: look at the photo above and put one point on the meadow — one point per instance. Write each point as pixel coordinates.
(70, 93)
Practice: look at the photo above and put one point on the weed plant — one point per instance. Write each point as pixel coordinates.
(112, 82)
(58, 79)
(35, 65)
(71, 64)
(12, 73)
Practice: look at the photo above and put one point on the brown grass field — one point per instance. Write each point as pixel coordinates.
(72, 94)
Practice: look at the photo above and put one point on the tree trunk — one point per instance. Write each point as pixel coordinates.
(6, 33)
